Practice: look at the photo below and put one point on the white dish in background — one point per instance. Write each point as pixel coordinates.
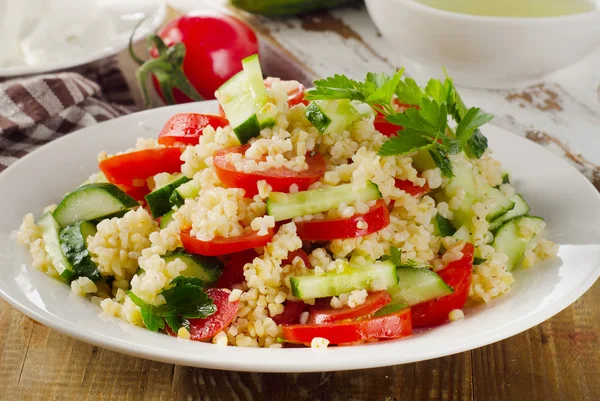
(555, 190)
(109, 36)
(483, 51)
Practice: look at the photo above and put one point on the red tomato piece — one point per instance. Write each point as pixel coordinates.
(297, 96)
(292, 256)
(141, 164)
(215, 44)
(233, 273)
(207, 328)
(377, 218)
(412, 189)
(186, 128)
(291, 312)
(457, 275)
(223, 246)
(280, 179)
(395, 325)
(374, 302)
(136, 193)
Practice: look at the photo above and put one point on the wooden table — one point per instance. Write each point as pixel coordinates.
(557, 360)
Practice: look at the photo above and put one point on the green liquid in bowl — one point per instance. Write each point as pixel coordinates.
(515, 8)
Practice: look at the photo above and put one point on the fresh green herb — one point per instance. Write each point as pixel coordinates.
(377, 90)
(185, 299)
(478, 261)
(395, 257)
(425, 126)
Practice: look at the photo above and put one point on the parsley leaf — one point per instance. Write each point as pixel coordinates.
(377, 90)
(474, 119)
(152, 320)
(185, 299)
(336, 87)
(395, 256)
(409, 92)
(440, 157)
(410, 141)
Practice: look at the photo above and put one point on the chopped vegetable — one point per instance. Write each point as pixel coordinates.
(395, 325)
(185, 299)
(186, 128)
(375, 219)
(373, 302)
(456, 275)
(280, 178)
(223, 246)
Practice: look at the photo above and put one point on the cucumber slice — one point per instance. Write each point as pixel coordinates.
(521, 208)
(159, 199)
(505, 178)
(442, 227)
(236, 99)
(423, 161)
(353, 278)
(511, 241)
(91, 202)
(166, 219)
(331, 115)
(389, 309)
(502, 203)
(74, 246)
(463, 234)
(286, 206)
(206, 268)
(50, 234)
(190, 189)
(265, 114)
(463, 179)
(244, 100)
(416, 285)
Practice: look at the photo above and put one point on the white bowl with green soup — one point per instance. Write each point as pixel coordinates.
(488, 43)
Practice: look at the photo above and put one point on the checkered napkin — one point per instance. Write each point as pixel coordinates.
(36, 110)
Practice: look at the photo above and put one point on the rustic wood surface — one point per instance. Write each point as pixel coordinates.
(557, 360)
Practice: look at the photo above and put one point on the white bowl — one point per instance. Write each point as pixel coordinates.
(485, 52)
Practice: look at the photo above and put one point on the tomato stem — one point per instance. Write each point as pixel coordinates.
(167, 68)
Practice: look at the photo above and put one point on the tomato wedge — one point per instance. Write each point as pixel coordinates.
(233, 272)
(205, 329)
(374, 302)
(395, 325)
(141, 164)
(457, 275)
(412, 189)
(291, 313)
(223, 246)
(280, 179)
(186, 128)
(377, 218)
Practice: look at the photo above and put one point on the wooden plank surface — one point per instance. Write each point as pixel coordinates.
(557, 360)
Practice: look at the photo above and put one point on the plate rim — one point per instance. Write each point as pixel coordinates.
(515, 327)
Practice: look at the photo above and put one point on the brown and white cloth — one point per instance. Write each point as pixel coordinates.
(36, 110)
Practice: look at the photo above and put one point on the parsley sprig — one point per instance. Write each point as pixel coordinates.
(426, 126)
(185, 299)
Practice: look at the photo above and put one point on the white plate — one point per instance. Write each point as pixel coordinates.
(125, 15)
(555, 190)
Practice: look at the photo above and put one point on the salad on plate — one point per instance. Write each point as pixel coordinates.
(351, 212)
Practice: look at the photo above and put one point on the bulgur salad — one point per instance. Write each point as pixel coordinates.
(348, 213)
